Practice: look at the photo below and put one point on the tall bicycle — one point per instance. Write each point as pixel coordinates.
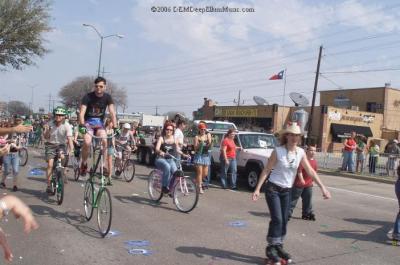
(96, 195)
(183, 189)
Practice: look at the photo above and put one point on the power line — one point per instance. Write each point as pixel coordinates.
(363, 71)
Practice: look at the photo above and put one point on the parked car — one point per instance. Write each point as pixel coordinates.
(256, 150)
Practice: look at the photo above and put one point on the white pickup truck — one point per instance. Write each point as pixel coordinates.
(256, 149)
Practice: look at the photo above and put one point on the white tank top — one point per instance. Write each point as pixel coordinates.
(285, 170)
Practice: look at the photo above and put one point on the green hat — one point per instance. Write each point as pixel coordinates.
(59, 111)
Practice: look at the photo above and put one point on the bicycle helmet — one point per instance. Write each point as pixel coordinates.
(127, 126)
(59, 111)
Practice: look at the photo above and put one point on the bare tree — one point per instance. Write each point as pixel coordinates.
(72, 93)
(18, 107)
(22, 24)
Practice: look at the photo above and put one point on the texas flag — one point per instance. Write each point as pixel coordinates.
(277, 76)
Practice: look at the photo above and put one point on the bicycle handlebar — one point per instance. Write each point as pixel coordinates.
(98, 137)
(175, 158)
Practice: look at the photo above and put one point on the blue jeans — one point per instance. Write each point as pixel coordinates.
(11, 161)
(306, 198)
(373, 161)
(232, 167)
(168, 167)
(348, 163)
(278, 204)
(396, 229)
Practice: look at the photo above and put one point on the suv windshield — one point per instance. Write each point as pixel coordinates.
(257, 141)
(219, 126)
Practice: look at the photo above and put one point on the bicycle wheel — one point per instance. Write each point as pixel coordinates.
(104, 211)
(129, 170)
(88, 200)
(154, 185)
(186, 194)
(60, 187)
(23, 156)
(53, 185)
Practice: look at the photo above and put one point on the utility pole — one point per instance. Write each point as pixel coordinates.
(156, 110)
(314, 95)
(49, 101)
(238, 101)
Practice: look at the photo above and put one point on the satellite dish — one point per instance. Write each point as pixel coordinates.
(299, 99)
(259, 100)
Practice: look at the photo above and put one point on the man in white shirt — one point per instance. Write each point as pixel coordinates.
(180, 126)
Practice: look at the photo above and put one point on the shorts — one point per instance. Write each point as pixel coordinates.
(202, 160)
(360, 156)
(50, 150)
(110, 151)
(94, 124)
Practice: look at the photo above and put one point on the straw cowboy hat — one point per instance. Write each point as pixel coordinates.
(292, 127)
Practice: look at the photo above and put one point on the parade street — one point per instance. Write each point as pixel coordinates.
(226, 227)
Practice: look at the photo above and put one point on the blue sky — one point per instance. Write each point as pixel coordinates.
(173, 60)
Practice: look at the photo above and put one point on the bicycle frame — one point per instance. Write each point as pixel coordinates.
(95, 164)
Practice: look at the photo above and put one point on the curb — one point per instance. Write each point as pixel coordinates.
(355, 176)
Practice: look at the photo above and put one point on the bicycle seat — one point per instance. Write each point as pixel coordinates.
(178, 173)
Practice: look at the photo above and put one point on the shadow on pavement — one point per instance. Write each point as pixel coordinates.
(145, 201)
(216, 254)
(72, 218)
(379, 235)
(259, 214)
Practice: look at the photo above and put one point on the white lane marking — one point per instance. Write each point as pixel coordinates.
(365, 194)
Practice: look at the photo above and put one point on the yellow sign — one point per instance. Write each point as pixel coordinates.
(236, 112)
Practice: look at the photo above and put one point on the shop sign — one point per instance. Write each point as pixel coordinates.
(334, 116)
(236, 112)
(363, 118)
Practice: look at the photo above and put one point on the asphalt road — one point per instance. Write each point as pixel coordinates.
(351, 228)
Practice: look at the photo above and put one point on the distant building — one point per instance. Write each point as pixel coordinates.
(373, 112)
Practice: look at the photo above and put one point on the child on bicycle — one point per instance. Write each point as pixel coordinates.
(125, 142)
(56, 135)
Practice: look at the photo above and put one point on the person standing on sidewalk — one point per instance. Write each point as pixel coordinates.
(283, 165)
(392, 150)
(373, 151)
(348, 151)
(360, 151)
(228, 159)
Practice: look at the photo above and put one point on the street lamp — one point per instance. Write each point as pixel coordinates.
(101, 42)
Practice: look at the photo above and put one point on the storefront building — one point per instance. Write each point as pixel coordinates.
(372, 112)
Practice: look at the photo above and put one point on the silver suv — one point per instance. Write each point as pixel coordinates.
(256, 150)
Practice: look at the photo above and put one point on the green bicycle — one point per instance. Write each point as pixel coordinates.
(57, 177)
(96, 194)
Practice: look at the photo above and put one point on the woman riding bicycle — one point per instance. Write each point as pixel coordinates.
(166, 145)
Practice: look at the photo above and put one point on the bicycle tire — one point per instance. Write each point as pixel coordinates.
(186, 194)
(155, 185)
(23, 156)
(104, 207)
(53, 185)
(76, 174)
(129, 170)
(88, 200)
(60, 187)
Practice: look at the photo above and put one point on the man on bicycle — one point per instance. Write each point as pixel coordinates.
(56, 135)
(91, 118)
(125, 142)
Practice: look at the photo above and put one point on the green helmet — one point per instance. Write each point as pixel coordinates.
(59, 111)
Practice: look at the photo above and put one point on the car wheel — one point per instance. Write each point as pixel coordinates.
(253, 172)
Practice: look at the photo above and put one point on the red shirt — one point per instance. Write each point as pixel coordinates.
(230, 147)
(352, 143)
(307, 179)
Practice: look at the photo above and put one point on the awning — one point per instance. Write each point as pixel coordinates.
(343, 130)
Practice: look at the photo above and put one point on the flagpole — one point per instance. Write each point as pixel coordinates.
(284, 94)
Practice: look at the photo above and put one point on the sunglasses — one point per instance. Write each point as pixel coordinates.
(169, 130)
(59, 115)
(98, 86)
